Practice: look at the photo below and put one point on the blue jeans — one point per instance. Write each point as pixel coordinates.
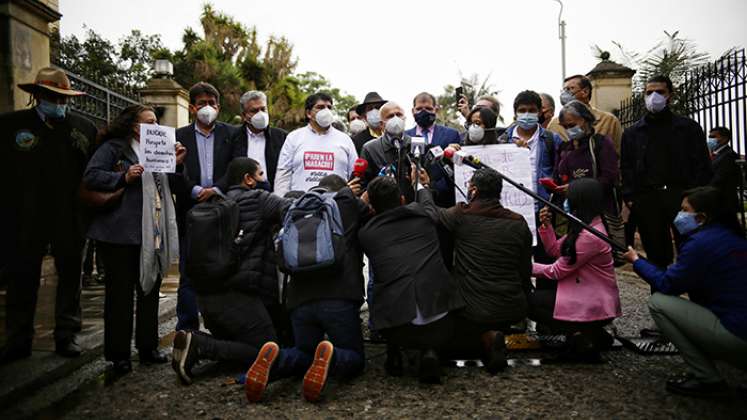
(340, 320)
(187, 312)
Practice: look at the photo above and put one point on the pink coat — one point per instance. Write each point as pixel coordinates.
(587, 290)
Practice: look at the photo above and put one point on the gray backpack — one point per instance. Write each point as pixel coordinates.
(312, 236)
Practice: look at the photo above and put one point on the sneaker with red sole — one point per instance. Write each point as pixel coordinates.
(316, 377)
(258, 374)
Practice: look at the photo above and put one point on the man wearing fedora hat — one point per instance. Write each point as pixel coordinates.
(44, 151)
(369, 110)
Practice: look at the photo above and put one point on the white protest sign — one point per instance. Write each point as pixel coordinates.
(157, 148)
(511, 161)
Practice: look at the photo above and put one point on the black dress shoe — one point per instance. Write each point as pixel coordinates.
(393, 364)
(494, 344)
(67, 348)
(12, 353)
(151, 357)
(121, 367)
(429, 371)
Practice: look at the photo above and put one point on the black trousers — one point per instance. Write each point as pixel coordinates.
(466, 342)
(239, 325)
(122, 282)
(542, 307)
(435, 335)
(654, 212)
(23, 272)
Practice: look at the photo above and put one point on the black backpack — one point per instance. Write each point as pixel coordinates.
(212, 234)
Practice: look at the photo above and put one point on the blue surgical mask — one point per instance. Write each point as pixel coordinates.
(712, 144)
(566, 97)
(685, 222)
(566, 206)
(527, 120)
(575, 133)
(52, 110)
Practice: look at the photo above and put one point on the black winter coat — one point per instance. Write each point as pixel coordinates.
(680, 138)
(260, 212)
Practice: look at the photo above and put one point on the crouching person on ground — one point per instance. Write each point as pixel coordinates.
(711, 268)
(492, 266)
(234, 308)
(321, 301)
(414, 291)
(586, 296)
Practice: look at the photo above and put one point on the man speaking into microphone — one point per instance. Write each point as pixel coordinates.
(389, 155)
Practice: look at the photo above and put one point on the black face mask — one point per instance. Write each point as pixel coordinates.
(425, 119)
(263, 185)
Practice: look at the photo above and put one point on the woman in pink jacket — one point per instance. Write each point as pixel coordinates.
(586, 297)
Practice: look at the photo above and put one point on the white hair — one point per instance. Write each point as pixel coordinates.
(250, 96)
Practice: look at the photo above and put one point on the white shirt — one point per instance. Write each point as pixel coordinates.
(255, 147)
(532, 144)
(307, 157)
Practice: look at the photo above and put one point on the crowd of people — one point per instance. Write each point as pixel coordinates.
(445, 280)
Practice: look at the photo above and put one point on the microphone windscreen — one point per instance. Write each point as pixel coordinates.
(449, 153)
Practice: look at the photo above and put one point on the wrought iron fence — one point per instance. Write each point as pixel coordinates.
(101, 104)
(713, 95)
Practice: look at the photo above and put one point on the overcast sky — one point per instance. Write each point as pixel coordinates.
(402, 47)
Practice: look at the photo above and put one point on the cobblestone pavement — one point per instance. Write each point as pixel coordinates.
(627, 386)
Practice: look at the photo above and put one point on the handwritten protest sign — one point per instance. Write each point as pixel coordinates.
(157, 150)
(512, 162)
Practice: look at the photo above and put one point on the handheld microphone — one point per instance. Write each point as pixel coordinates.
(417, 146)
(359, 168)
(435, 153)
(462, 158)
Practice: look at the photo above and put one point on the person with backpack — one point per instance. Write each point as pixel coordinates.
(319, 247)
(586, 296)
(236, 302)
(587, 154)
(137, 236)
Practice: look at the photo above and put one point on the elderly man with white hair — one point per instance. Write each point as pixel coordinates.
(257, 139)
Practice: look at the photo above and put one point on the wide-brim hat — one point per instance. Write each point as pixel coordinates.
(372, 98)
(53, 80)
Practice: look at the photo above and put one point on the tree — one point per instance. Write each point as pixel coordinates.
(473, 88)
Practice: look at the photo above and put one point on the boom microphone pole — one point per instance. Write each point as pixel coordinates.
(462, 158)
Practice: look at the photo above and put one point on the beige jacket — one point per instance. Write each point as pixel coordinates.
(606, 124)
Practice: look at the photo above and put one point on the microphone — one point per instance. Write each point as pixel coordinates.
(417, 146)
(435, 153)
(462, 158)
(359, 168)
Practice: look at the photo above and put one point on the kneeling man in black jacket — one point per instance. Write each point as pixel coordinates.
(414, 292)
(236, 310)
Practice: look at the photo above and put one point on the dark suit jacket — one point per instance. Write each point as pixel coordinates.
(408, 269)
(222, 155)
(274, 139)
(726, 175)
(361, 138)
(442, 136)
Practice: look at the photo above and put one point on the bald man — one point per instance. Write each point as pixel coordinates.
(383, 154)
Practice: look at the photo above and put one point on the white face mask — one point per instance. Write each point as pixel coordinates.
(373, 118)
(476, 133)
(655, 102)
(260, 120)
(324, 118)
(357, 126)
(207, 115)
(395, 126)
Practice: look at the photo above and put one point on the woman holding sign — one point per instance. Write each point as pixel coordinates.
(135, 226)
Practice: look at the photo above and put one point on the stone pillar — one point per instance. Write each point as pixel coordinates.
(611, 84)
(24, 46)
(169, 95)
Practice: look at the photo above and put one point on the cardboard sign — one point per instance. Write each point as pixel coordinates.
(157, 148)
(511, 161)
